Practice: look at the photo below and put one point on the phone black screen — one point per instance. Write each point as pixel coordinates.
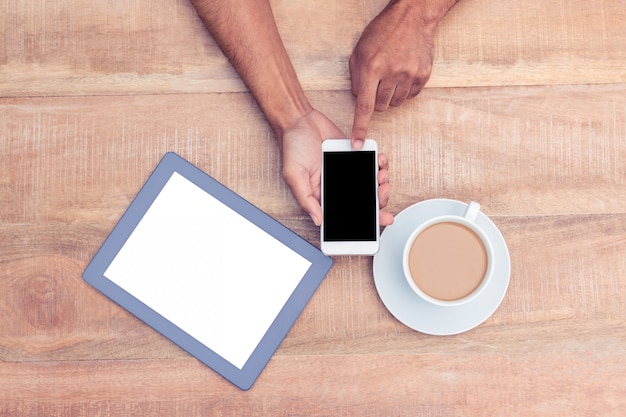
(350, 189)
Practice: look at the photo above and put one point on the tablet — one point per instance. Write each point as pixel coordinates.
(208, 270)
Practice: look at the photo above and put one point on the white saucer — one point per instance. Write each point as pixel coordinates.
(408, 307)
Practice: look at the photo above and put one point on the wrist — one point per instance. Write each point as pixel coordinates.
(280, 96)
(285, 111)
(427, 13)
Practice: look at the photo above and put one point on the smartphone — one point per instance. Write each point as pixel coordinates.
(350, 224)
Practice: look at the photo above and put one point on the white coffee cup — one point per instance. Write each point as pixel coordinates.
(448, 260)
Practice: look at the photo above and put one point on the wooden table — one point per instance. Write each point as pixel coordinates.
(525, 113)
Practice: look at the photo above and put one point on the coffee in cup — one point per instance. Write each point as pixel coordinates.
(447, 259)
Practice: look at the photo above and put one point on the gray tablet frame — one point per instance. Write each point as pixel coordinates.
(320, 265)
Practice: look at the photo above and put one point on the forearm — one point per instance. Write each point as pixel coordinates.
(247, 33)
(426, 12)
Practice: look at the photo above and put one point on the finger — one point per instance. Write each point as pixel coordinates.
(383, 177)
(415, 90)
(354, 75)
(312, 206)
(383, 161)
(400, 95)
(314, 209)
(385, 218)
(384, 96)
(383, 195)
(363, 110)
(305, 196)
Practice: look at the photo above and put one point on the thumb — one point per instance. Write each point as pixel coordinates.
(305, 197)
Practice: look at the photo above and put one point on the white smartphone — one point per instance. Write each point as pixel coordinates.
(350, 225)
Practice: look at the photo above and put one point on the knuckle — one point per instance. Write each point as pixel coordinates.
(381, 107)
(423, 73)
(396, 102)
(364, 106)
(383, 97)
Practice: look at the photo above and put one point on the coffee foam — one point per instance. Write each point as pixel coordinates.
(448, 261)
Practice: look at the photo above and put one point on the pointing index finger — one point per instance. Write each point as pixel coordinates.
(363, 110)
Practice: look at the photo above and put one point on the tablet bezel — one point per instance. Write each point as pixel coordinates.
(94, 274)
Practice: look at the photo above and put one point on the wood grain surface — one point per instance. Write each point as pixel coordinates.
(525, 113)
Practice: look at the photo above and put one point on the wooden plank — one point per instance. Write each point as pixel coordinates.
(521, 150)
(567, 271)
(547, 381)
(93, 48)
(483, 43)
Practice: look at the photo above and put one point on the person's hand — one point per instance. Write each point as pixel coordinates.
(392, 60)
(301, 147)
(385, 218)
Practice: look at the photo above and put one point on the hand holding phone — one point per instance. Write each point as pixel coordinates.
(350, 206)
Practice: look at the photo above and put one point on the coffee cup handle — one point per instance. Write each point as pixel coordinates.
(472, 210)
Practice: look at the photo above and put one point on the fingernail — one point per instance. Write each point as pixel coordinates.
(314, 219)
(357, 144)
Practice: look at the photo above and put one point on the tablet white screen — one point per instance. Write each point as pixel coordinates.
(207, 269)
